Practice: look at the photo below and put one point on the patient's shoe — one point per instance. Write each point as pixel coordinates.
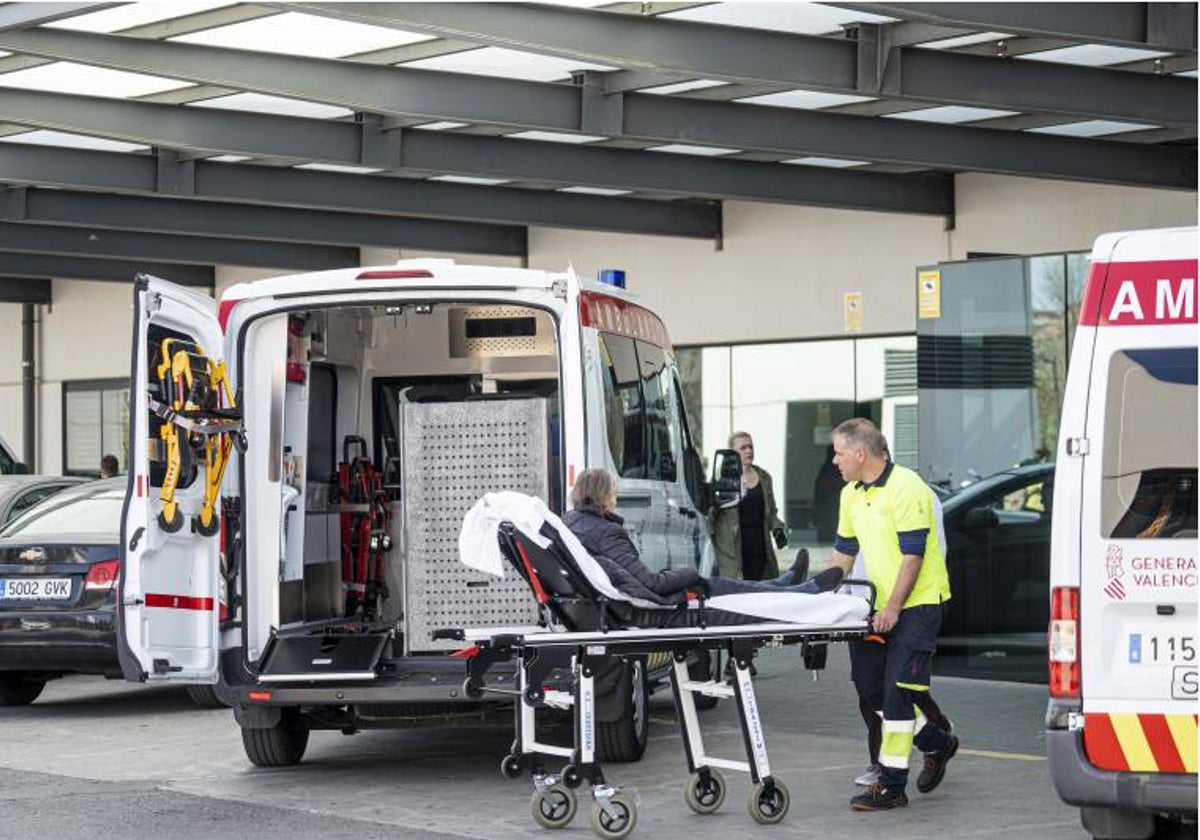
(825, 581)
(799, 569)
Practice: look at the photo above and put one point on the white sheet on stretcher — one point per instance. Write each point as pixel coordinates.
(479, 549)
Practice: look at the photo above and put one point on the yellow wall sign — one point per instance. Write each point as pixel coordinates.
(929, 294)
(853, 311)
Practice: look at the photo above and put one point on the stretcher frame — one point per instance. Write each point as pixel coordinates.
(614, 810)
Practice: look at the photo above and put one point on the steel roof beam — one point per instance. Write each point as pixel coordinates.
(535, 105)
(90, 268)
(1168, 26)
(24, 290)
(104, 243)
(239, 221)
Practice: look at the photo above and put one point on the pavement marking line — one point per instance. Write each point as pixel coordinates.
(1011, 756)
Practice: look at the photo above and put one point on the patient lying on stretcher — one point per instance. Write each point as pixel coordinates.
(601, 532)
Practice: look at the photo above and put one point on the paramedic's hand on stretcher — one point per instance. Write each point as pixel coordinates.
(885, 619)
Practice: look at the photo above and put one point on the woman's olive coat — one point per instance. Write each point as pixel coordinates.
(726, 528)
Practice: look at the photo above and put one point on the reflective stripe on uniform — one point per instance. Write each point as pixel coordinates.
(912, 686)
(897, 743)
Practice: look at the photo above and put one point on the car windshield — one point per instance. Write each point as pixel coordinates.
(95, 514)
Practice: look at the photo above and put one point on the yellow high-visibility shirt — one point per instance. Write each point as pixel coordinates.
(876, 515)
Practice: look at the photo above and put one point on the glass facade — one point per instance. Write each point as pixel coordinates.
(95, 424)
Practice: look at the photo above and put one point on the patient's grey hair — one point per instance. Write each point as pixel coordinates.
(861, 432)
(594, 488)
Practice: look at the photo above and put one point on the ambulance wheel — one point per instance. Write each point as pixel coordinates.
(624, 739)
(205, 697)
(618, 824)
(282, 745)
(170, 525)
(571, 776)
(210, 530)
(705, 795)
(553, 807)
(511, 766)
(769, 806)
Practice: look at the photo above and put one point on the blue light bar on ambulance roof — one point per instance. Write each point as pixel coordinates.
(612, 277)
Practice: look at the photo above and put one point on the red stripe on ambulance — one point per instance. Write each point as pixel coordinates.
(179, 602)
(1140, 294)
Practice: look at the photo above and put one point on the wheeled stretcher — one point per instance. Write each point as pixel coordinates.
(586, 622)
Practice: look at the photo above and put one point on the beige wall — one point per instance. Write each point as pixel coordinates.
(780, 273)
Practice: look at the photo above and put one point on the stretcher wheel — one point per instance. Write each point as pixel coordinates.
(618, 824)
(705, 794)
(554, 807)
(170, 525)
(769, 805)
(213, 527)
(511, 766)
(571, 776)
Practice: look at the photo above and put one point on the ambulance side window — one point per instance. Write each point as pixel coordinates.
(623, 415)
(1149, 464)
(662, 431)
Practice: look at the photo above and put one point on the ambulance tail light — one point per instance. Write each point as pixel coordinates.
(1063, 642)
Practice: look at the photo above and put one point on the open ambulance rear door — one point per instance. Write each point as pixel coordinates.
(167, 616)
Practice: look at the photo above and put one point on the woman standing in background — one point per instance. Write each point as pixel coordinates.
(742, 533)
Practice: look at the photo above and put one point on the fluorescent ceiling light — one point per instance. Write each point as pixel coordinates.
(129, 15)
(964, 40)
(685, 149)
(594, 191)
(469, 179)
(68, 77)
(293, 33)
(440, 125)
(337, 167)
(951, 114)
(72, 141)
(801, 18)
(228, 158)
(264, 104)
(1093, 55)
(556, 137)
(506, 63)
(806, 99)
(831, 163)
(1191, 74)
(1090, 128)
(683, 87)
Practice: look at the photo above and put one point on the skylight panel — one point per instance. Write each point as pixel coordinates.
(505, 63)
(965, 40)
(556, 137)
(439, 125)
(1093, 55)
(594, 191)
(828, 163)
(263, 104)
(683, 87)
(338, 167)
(68, 77)
(130, 15)
(294, 33)
(1191, 74)
(800, 18)
(685, 149)
(1091, 128)
(807, 99)
(469, 179)
(72, 141)
(951, 114)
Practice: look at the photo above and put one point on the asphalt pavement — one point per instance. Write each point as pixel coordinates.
(96, 759)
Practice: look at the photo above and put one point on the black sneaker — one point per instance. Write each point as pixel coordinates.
(935, 766)
(799, 569)
(879, 797)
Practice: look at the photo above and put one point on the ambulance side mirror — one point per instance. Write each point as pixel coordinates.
(980, 518)
(727, 478)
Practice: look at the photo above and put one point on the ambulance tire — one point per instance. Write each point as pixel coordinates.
(205, 697)
(282, 745)
(1117, 823)
(16, 690)
(624, 739)
(1165, 829)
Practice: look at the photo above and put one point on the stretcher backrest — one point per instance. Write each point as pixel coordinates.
(561, 586)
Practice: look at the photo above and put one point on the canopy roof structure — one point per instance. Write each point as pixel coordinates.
(200, 133)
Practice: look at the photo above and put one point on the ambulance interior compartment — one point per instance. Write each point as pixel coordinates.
(452, 400)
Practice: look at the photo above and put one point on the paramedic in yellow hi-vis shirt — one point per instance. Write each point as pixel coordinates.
(886, 511)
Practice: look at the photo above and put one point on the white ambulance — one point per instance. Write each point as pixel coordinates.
(434, 383)
(1121, 733)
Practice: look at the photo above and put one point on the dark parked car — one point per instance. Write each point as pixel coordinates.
(59, 566)
(998, 535)
(18, 493)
